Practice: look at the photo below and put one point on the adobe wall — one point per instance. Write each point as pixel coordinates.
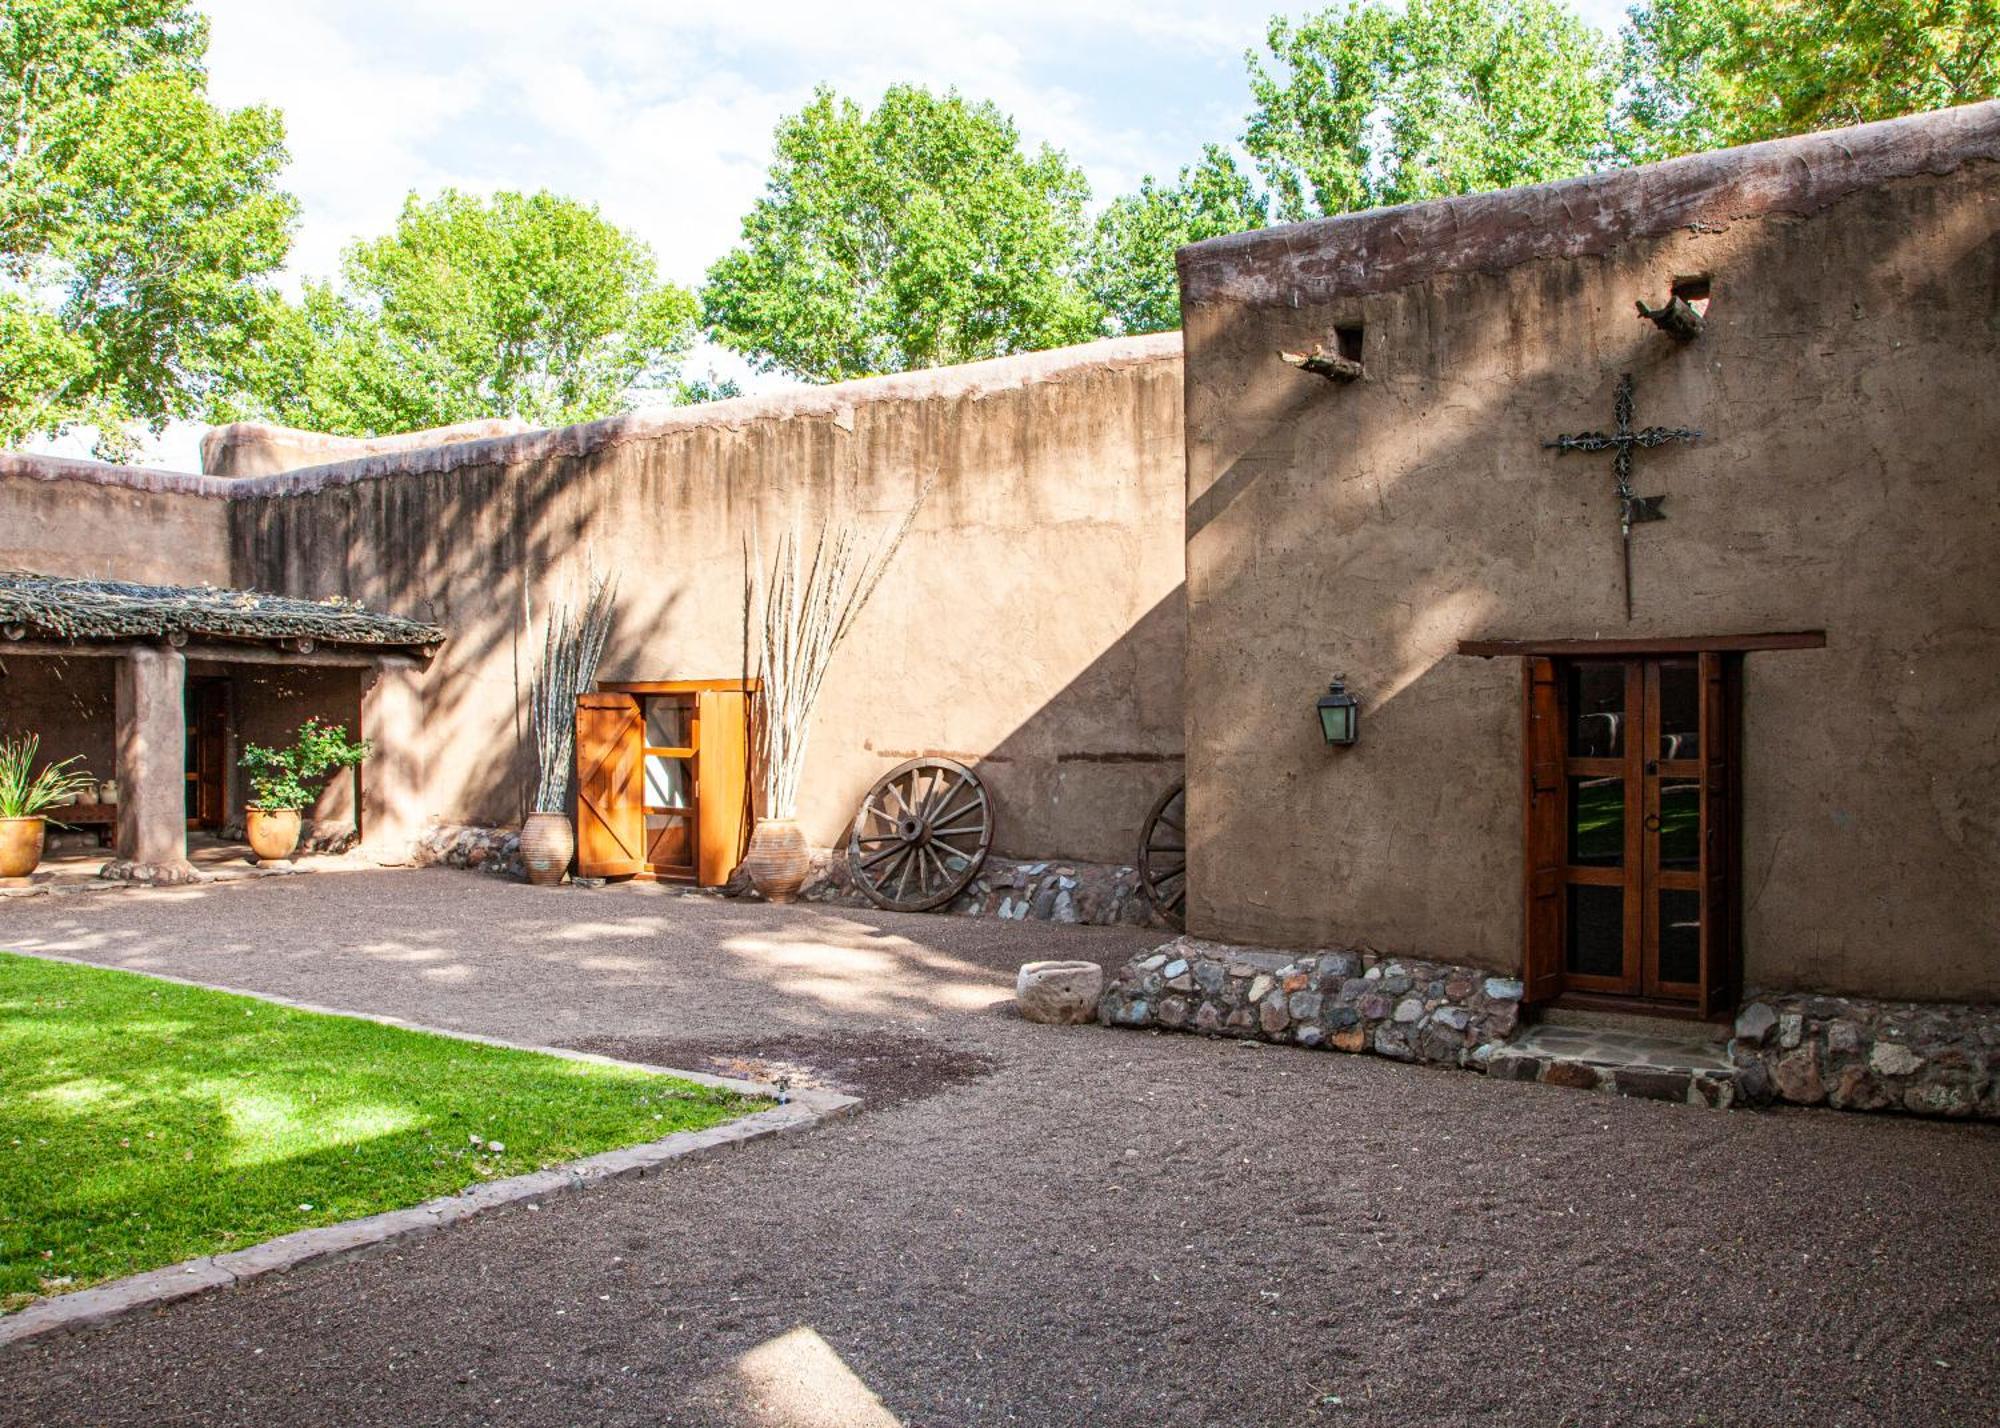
(255, 449)
(83, 518)
(1847, 483)
(1030, 625)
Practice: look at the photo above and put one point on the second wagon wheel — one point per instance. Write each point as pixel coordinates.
(921, 835)
(1163, 856)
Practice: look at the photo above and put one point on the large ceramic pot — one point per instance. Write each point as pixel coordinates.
(273, 832)
(777, 860)
(547, 843)
(21, 845)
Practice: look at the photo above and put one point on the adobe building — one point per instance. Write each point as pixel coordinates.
(1423, 445)
(1029, 626)
(1650, 517)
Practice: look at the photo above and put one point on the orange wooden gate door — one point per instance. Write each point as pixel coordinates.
(610, 798)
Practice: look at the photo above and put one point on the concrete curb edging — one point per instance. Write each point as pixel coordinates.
(374, 1234)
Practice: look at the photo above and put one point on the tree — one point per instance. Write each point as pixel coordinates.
(914, 236)
(139, 224)
(1704, 74)
(530, 306)
(1378, 103)
(1130, 268)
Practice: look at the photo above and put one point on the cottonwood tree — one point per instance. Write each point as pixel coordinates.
(139, 224)
(1704, 74)
(1378, 103)
(531, 306)
(1130, 266)
(915, 235)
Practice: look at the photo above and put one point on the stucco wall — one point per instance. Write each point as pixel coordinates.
(255, 449)
(1031, 624)
(82, 518)
(1847, 482)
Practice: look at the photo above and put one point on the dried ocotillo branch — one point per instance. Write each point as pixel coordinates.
(572, 644)
(798, 618)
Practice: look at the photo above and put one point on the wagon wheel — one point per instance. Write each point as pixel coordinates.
(921, 835)
(1163, 857)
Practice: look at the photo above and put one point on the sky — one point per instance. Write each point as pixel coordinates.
(660, 111)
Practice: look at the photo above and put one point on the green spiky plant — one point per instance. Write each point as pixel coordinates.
(25, 793)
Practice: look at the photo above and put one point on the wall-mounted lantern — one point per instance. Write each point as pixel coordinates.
(1339, 714)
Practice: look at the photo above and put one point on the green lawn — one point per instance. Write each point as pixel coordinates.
(143, 1122)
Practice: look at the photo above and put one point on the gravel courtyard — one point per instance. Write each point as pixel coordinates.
(1037, 1226)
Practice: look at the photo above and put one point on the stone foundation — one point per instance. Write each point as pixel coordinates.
(1397, 1007)
(1091, 894)
(1851, 1053)
(1858, 1054)
(465, 845)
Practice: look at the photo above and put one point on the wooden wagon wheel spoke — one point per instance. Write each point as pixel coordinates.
(923, 853)
(1163, 857)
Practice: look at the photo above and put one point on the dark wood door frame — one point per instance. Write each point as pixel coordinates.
(1565, 781)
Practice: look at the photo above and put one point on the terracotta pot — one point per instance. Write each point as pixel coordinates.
(547, 844)
(273, 832)
(21, 845)
(777, 860)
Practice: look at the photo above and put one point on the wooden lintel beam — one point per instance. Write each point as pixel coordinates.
(221, 654)
(1670, 645)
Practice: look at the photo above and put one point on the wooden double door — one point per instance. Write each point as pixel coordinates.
(1632, 830)
(662, 780)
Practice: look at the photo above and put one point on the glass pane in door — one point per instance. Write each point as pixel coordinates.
(1680, 823)
(669, 841)
(668, 784)
(669, 722)
(1680, 936)
(1596, 931)
(1596, 822)
(1597, 709)
(1679, 734)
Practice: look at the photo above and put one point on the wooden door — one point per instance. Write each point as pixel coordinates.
(722, 776)
(1543, 792)
(207, 755)
(610, 810)
(1631, 817)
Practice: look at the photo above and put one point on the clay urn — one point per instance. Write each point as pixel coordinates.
(547, 844)
(21, 845)
(777, 861)
(273, 832)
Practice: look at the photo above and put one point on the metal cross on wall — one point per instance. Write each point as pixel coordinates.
(1633, 510)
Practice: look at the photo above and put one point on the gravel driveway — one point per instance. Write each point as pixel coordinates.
(1038, 1226)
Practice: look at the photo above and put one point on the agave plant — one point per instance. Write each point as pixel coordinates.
(27, 794)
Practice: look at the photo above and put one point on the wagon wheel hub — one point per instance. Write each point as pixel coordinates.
(913, 830)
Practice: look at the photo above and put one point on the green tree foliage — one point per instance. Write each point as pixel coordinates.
(1130, 271)
(914, 236)
(1704, 74)
(1372, 103)
(523, 305)
(138, 223)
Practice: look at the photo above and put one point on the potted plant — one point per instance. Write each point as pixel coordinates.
(24, 794)
(571, 647)
(284, 781)
(799, 618)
